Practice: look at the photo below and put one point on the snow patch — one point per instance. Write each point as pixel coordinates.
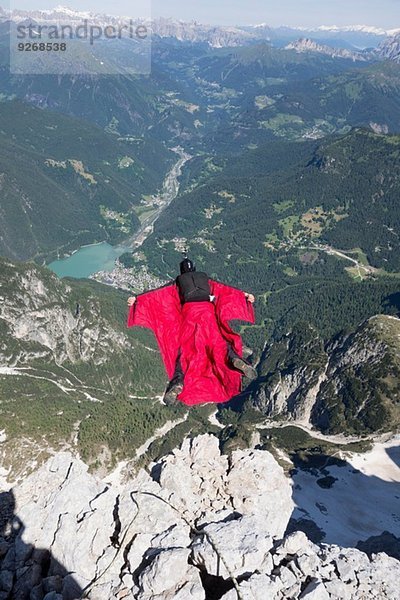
(361, 500)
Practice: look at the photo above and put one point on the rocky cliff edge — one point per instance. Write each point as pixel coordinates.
(198, 525)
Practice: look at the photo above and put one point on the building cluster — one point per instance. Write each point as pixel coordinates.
(135, 279)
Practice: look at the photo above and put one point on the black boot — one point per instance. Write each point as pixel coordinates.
(175, 386)
(244, 367)
(172, 392)
(240, 363)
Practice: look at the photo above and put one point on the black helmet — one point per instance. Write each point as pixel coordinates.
(186, 266)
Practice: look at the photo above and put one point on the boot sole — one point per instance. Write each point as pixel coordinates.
(247, 370)
(171, 397)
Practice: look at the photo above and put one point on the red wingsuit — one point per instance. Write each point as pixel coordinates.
(200, 330)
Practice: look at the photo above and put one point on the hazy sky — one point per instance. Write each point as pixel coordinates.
(380, 13)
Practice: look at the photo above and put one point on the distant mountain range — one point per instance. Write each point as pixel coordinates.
(309, 45)
(357, 36)
(390, 48)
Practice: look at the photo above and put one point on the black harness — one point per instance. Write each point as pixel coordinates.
(193, 287)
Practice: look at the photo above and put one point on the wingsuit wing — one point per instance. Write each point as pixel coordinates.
(231, 304)
(160, 311)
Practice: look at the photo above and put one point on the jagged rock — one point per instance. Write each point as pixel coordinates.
(142, 541)
(258, 587)
(41, 323)
(292, 383)
(346, 572)
(307, 564)
(152, 523)
(243, 545)
(207, 485)
(176, 535)
(308, 45)
(295, 570)
(385, 574)
(315, 591)
(54, 500)
(287, 578)
(100, 529)
(202, 470)
(268, 495)
(390, 48)
(163, 578)
(297, 543)
(321, 567)
(338, 589)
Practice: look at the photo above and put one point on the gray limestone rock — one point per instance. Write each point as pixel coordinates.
(152, 537)
(315, 591)
(242, 544)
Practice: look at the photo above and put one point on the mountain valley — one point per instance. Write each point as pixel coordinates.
(271, 156)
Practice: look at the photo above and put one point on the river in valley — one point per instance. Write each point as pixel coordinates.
(93, 258)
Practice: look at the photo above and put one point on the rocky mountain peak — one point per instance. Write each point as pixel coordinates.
(193, 522)
(309, 45)
(40, 311)
(347, 384)
(390, 48)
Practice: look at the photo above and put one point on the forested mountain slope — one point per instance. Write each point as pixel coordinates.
(71, 373)
(301, 224)
(257, 93)
(224, 99)
(277, 200)
(65, 182)
(349, 384)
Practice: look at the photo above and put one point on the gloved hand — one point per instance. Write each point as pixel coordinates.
(250, 297)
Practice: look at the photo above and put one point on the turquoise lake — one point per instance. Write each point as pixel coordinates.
(87, 260)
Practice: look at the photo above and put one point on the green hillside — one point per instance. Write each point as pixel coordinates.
(311, 107)
(66, 182)
(69, 366)
(156, 106)
(285, 198)
(349, 384)
(295, 220)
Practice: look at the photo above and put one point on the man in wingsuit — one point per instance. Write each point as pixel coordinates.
(190, 319)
